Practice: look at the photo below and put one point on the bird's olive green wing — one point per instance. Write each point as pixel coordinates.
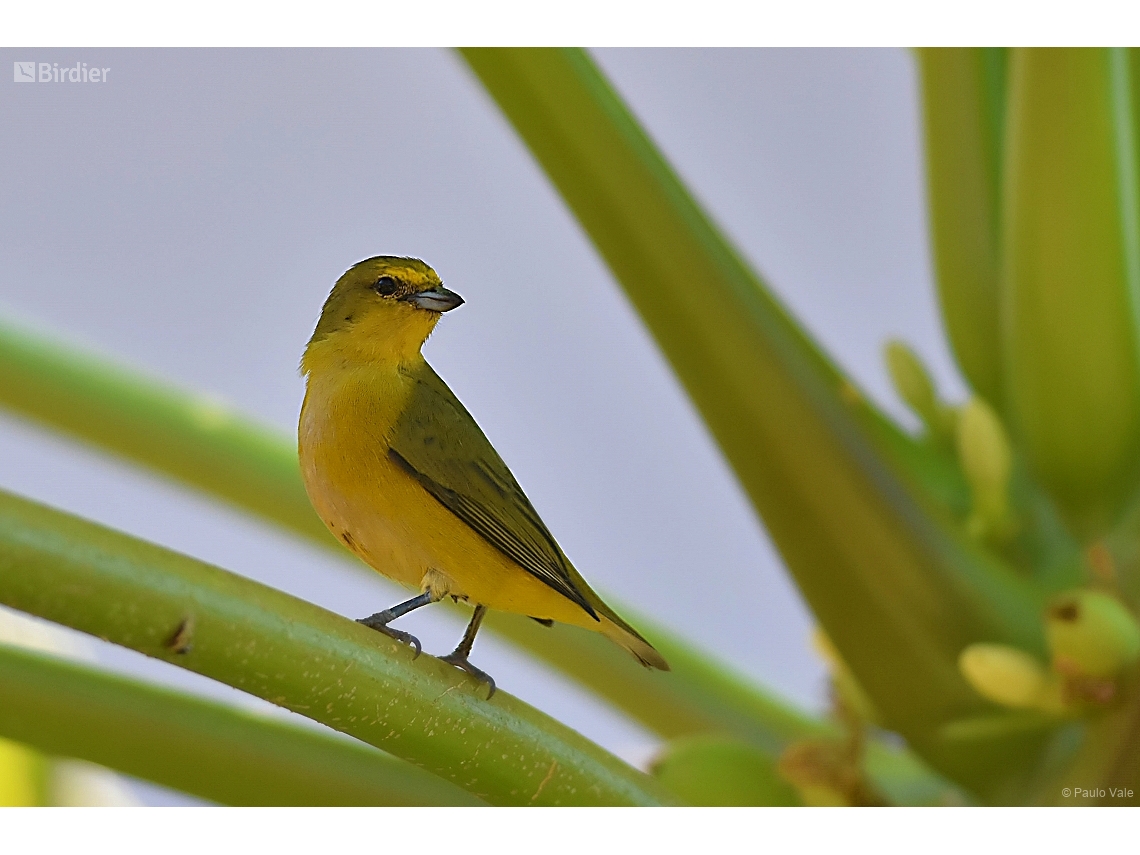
(437, 442)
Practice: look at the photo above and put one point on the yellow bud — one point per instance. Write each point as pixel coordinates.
(22, 775)
(1004, 675)
(1093, 631)
(987, 462)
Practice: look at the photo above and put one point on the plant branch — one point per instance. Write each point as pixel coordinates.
(196, 746)
(190, 438)
(303, 658)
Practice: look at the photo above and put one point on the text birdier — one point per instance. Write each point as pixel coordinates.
(53, 72)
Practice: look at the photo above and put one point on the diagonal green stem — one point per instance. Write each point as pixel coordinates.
(303, 658)
(206, 749)
(963, 104)
(897, 589)
(1071, 310)
(192, 439)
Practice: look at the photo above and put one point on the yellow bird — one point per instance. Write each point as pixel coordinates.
(403, 476)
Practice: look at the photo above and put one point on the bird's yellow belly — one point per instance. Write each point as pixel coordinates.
(400, 530)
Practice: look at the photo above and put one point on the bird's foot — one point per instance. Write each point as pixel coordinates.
(459, 660)
(379, 622)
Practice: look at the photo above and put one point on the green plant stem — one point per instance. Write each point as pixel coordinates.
(190, 438)
(897, 589)
(963, 96)
(206, 749)
(1070, 264)
(303, 658)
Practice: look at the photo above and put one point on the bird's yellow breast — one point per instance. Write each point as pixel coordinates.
(387, 517)
(354, 486)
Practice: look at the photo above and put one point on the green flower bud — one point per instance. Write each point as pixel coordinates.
(913, 384)
(721, 771)
(987, 462)
(911, 379)
(1092, 631)
(1004, 675)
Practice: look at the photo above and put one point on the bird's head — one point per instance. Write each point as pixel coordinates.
(381, 309)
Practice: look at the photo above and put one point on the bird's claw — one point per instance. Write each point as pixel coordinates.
(378, 624)
(460, 661)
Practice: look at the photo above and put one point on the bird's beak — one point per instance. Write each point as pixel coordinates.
(437, 299)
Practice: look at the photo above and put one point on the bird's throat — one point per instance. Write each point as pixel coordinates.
(379, 340)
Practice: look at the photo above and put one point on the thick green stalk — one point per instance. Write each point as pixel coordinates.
(1134, 68)
(198, 747)
(897, 589)
(963, 103)
(303, 658)
(1071, 262)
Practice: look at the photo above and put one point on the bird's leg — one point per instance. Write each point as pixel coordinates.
(380, 620)
(458, 657)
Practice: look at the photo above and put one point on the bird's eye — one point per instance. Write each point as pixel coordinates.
(385, 286)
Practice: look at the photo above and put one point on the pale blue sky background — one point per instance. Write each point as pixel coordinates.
(188, 216)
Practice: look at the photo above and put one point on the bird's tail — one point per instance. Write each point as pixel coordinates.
(617, 630)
